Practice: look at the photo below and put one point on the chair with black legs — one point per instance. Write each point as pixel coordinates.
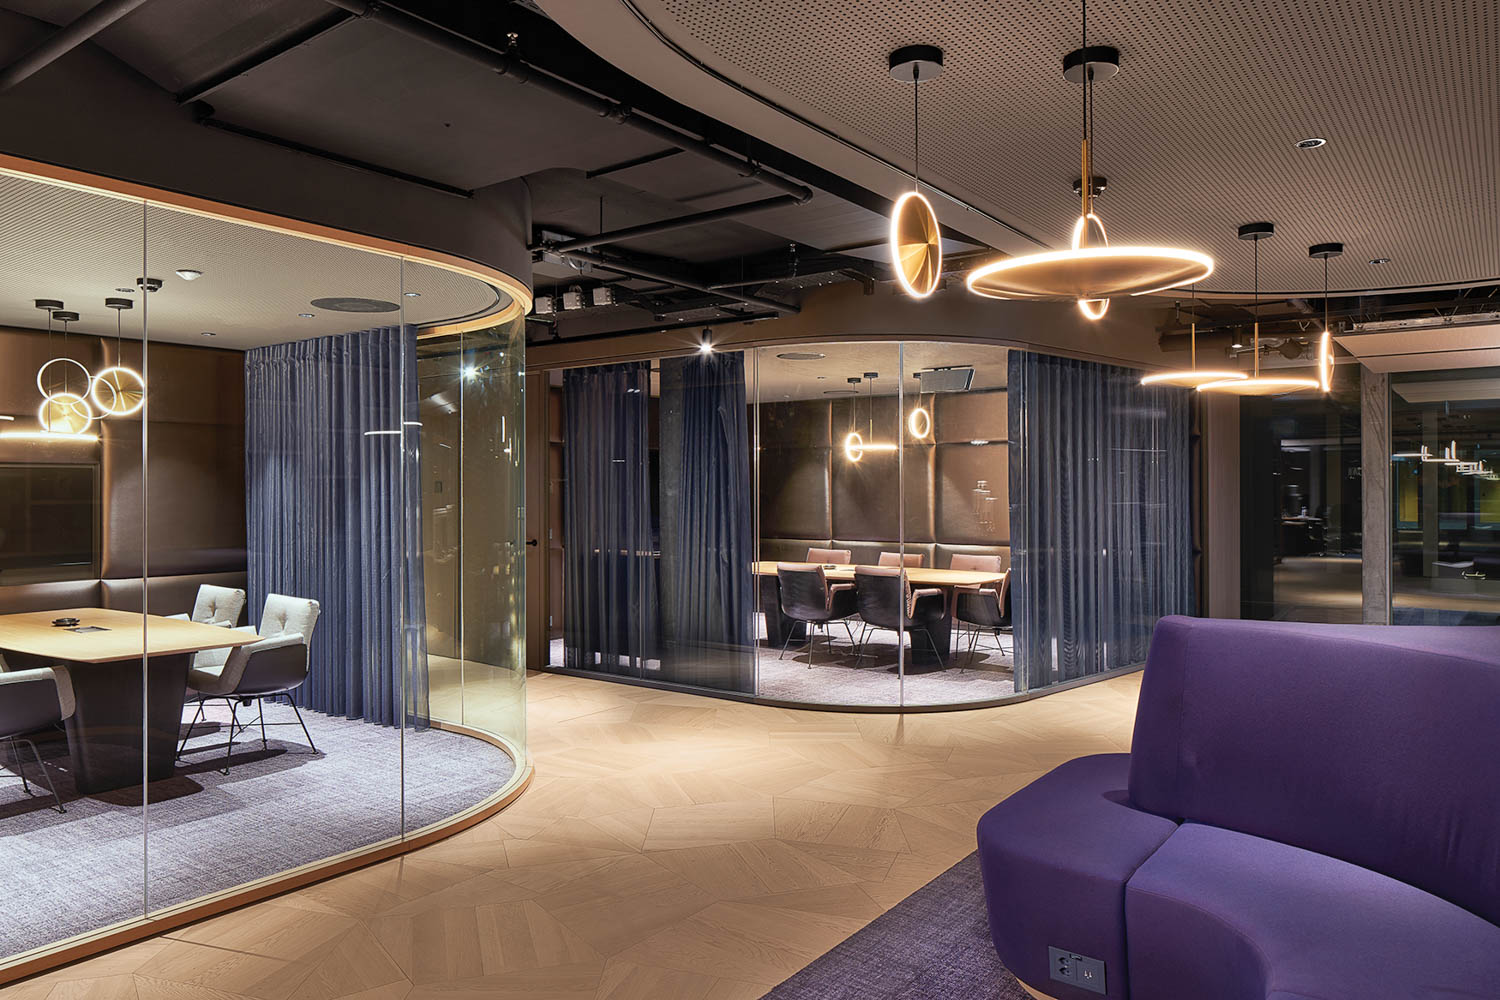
(808, 597)
(273, 667)
(886, 601)
(31, 700)
(986, 610)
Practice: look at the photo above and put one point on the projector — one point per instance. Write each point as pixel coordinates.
(957, 379)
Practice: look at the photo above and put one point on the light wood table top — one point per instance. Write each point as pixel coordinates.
(33, 632)
(917, 576)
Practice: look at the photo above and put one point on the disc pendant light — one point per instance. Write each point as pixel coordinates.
(916, 240)
(1325, 252)
(1193, 376)
(1256, 384)
(65, 407)
(118, 391)
(1090, 271)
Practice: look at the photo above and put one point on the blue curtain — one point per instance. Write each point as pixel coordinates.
(708, 609)
(333, 513)
(1100, 515)
(611, 617)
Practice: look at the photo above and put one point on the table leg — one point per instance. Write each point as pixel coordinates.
(931, 648)
(104, 734)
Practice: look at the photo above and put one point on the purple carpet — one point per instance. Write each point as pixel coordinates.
(933, 945)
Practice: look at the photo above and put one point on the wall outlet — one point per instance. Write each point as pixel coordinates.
(1076, 970)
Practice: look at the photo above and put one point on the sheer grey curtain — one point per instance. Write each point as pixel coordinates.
(1100, 515)
(611, 611)
(708, 609)
(333, 513)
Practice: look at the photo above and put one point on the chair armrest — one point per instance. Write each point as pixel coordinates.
(840, 586)
(177, 618)
(242, 660)
(922, 594)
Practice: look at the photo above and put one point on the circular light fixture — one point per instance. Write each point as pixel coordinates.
(919, 423)
(1325, 252)
(354, 304)
(1258, 385)
(854, 446)
(412, 295)
(1325, 361)
(916, 238)
(1193, 377)
(42, 381)
(65, 413)
(1091, 272)
(916, 245)
(1380, 260)
(802, 356)
(305, 315)
(189, 273)
(208, 333)
(1311, 143)
(127, 391)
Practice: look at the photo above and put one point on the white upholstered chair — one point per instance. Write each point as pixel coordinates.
(272, 667)
(216, 606)
(31, 700)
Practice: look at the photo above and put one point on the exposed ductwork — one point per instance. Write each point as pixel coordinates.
(636, 271)
(66, 39)
(673, 224)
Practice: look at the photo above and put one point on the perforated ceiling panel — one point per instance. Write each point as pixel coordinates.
(62, 243)
(1195, 135)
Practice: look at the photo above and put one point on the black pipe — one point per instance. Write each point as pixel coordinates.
(638, 161)
(673, 224)
(262, 55)
(519, 71)
(323, 154)
(654, 328)
(610, 264)
(66, 39)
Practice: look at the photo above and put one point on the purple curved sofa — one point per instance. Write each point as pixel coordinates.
(1308, 812)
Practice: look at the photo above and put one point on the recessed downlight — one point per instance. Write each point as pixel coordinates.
(208, 333)
(305, 315)
(1380, 260)
(801, 356)
(189, 273)
(412, 295)
(1312, 142)
(127, 291)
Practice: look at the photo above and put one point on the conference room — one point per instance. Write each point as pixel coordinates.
(242, 631)
(833, 523)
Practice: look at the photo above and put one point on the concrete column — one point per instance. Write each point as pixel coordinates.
(1375, 475)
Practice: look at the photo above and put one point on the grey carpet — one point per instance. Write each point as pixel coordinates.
(278, 808)
(933, 945)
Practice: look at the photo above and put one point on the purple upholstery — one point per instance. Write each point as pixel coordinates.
(1339, 790)
(1055, 857)
(1354, 741)
(1215, 913)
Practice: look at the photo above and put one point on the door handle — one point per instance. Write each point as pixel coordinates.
(531, 541)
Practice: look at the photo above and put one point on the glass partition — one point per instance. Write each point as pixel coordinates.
(883, 511)
(1445, 496)
(278, 481)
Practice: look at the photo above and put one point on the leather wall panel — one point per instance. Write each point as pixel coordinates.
(867, 501)
(958, 470)
(969, 416)
(798, 425)
(795, 497)
(172, 595)
(49, 596)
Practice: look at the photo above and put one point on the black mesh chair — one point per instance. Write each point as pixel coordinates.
(32, 700)
(808, 597)
(886, 601)
(986, 610)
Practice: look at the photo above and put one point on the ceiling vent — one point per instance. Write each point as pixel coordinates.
(946, 379)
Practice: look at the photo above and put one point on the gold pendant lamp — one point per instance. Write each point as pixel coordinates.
(118, 391)
(1256, 384)
(1325, 252)
(916, 239)
(1091, 271)
(1193, 376)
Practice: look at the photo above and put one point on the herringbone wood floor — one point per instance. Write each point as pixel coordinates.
(671, 846)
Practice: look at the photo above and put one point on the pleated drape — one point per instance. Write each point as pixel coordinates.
(1101, 542)
(708, 609)
(333, 513)
(612, 618)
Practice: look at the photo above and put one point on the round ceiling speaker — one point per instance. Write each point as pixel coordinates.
(118, 391)
(57, 375)
(916, 245)
(354, 304)
(65, 413)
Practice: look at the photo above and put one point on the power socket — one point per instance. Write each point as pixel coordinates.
(1076, 970)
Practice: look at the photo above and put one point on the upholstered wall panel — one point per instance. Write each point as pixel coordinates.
(867, 499)
(47, 596)
(965, 515)
(795, 498)
(171, 595)
(969, 416)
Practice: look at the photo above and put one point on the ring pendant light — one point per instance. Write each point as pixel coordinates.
(1090, 271)
(916, 239)
(127, 389)
(63, 411)
(855, 445)
(1193, 376)
(1258, 385)
(1324, 252)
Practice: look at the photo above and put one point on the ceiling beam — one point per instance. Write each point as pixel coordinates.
(672, 224)
(259, 57)
(66, 39)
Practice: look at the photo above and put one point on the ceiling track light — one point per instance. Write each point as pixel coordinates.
(916, 239)
(1258, 385)
(1090, 272)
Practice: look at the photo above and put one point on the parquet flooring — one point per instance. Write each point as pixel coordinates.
(670, 846)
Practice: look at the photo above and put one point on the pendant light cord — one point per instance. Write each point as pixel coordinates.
(1257, 309)
(1325, 294)
(1193, 328)
(1088, 81)
(916, 126)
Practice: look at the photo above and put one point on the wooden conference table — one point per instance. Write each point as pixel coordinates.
(778, 626)
(104, 734)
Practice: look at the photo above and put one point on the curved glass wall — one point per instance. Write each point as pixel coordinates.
(261, 564)
(852, 524)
